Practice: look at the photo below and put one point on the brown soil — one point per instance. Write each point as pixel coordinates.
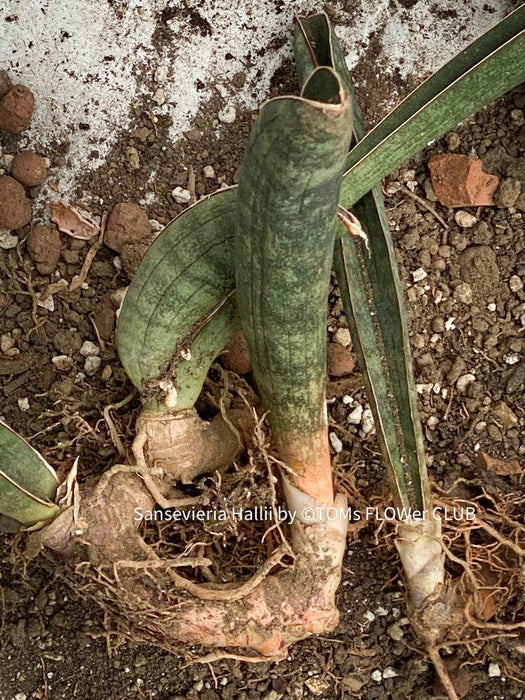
(56, 644)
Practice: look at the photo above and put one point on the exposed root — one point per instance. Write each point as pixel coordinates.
(185, 446)
(108, 559)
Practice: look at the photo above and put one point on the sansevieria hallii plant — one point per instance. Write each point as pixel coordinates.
(259, 257)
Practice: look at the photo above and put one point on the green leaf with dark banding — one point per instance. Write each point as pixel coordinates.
(373, 302)
(27, 483)
(286, 206)
(483, 72)
(179, 311)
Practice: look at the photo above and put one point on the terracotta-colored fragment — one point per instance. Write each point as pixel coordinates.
(43, 245)
(236, 356)
(29, 168)
(459, 181)
(339, 361)
(16, 109)
(69, 220)
(15, 207)
(503, 467)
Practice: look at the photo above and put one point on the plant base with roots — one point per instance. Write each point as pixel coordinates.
(107, 559)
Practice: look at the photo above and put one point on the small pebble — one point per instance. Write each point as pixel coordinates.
(89, 348)
(369, 615)
(377, 676)
(23, 404)
(227, 115)
(464, 219)
(342, 336)
(463, 382)
(181, 196)
(419, 274)
(335, 442)
(161, 74)
(62, 362)
(8, 240)
(389, 672)
(463, 293)
(515, 284)
(367, 421)
(208, 171)
(347, 400)
(91, 365)
(106, 373)
(356, 415)
(494, 670)
(159, 97)
(395, 632)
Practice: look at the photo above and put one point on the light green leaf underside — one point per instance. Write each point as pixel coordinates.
(182, 299)
(27, 483)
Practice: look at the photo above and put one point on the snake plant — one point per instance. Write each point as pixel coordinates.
(260, 256)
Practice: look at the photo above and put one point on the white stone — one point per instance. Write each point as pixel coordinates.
(515, 283)
(7, 160)
(161, 74)
(336, 442)
(494, 670)
(6, 343)
(464, 219)
(92, 364)
(449, 323)
(181, 196)
(463, 382)
(7, 240)
(23, 404)
(389, 672)
(62, 362)
(433, 422)
(369, 615)
(356, 415)
(419, 274)
(343, 337)
(227, 115)
(47, 303)
(347, 400)
(367, 421)
(208, 171)
(89, 348)
(491, 306)
(377, 676)
(511, 358)
(159, 96)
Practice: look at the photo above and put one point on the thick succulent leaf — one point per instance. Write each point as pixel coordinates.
(373, 302)
(286, 205)
(179, 310)
(480, 74)
(27, 483)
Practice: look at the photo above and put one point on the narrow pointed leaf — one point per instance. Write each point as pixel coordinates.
(27, 482)
(480, 74)
(373, 302)
(180, 311)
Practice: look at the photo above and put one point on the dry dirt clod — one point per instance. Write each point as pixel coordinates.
(236, 356)
(29, 168)
(43, 245)
(15, 207)
(459, 181)
(16, 109)
(129, 232)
